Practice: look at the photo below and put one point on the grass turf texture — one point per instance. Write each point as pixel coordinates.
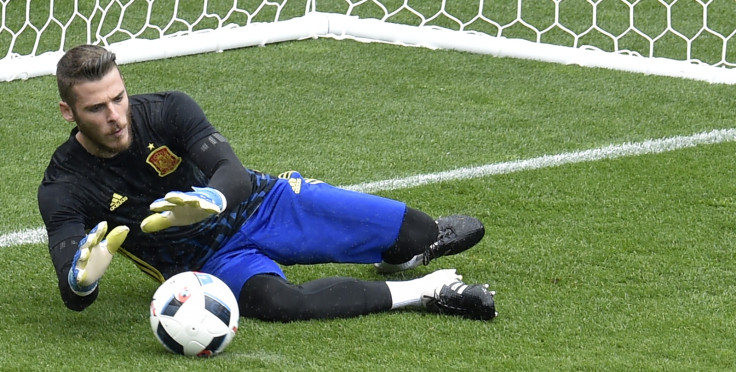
(622, 264)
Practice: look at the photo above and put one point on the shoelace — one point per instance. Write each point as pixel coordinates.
(457, 287)
(429, 252)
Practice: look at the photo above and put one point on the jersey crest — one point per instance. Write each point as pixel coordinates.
(163, 160)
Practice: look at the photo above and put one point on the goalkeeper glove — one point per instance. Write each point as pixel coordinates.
(184, 208)
(93, 257)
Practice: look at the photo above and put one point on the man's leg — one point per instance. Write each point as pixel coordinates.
(421, 239)
(329, 224)
(418, 231)
(319, 223)
(272, 298)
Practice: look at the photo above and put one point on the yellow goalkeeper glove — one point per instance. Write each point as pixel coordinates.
(184, 208)
(93, 257)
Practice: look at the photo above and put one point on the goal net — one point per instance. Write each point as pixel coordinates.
(680, 38)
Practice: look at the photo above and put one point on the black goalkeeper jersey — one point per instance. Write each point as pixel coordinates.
(80, 190)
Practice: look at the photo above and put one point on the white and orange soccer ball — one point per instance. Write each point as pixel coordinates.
(194, 313)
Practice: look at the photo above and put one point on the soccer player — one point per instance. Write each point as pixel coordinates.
(148, 176)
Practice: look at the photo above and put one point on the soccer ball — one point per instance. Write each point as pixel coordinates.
(194, 313)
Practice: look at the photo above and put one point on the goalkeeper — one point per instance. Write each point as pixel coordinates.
(147, 176)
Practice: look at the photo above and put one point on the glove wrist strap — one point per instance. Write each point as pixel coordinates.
(78, 289)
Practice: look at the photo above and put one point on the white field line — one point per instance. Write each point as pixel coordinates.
(655, 146)
(609, 152)
(30, 236)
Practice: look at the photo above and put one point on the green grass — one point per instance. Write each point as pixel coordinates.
(622, 264)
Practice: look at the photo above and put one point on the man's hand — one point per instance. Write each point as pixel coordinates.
(93, 257)
(184, 208)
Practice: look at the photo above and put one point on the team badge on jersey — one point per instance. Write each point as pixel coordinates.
(163, 160)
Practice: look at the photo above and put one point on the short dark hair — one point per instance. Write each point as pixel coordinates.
(81, 64)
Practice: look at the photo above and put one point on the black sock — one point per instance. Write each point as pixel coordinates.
(418, 231)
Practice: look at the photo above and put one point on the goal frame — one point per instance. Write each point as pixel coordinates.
(340, 26)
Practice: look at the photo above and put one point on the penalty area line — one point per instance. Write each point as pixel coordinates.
(547, 161)
(655, 146)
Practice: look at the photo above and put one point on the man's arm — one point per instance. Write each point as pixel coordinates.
(73, 250)
(208, 149)
(230, 184)
(62, 256)
(214, 156)
(65, 230)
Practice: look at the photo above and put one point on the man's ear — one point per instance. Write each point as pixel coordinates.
(66, 111)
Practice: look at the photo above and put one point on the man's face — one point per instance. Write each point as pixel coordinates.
(102, 116)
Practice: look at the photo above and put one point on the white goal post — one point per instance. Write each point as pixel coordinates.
(680, 38)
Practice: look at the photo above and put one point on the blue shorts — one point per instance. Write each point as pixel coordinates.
(303, 221)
